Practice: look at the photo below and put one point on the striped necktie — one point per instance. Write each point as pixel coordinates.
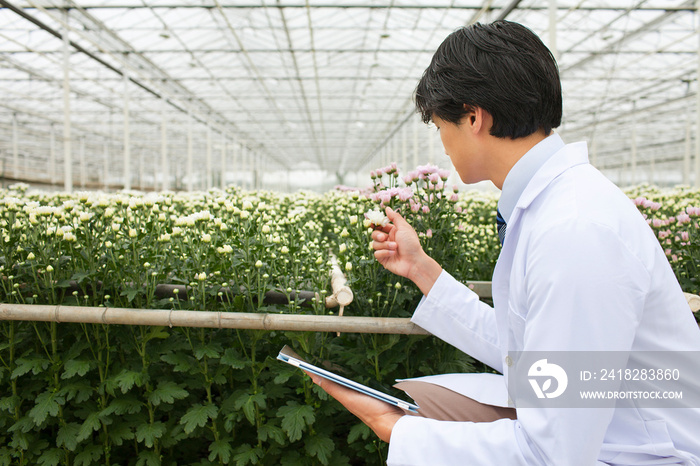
(500, 226)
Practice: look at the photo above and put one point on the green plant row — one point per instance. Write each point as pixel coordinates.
(96, 394)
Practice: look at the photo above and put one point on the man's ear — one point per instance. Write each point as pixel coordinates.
(474, 118)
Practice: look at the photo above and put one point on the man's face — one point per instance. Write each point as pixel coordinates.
(461, 147)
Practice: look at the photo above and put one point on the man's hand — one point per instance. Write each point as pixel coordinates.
(398, 249)
(379, 416)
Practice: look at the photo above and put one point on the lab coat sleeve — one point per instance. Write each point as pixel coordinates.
(584, 291)
(453, 313)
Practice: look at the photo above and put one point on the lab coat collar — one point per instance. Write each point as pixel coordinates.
(565, 158)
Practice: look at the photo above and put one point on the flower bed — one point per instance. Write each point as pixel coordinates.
(111, 394)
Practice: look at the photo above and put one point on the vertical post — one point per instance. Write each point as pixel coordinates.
(142, 170)
(431, 146)
(164, 168)
(15, 148)
(234, 164)
(633, 162)
(697, 100)
(553, 28)
(127, 139)
(686, 154)
(416, 122)
(105, 167)
(207, 184)
(244, 166)
(222, 168)
(52, 156)
(594, 151)
(404, 149)
(190, 174)
(83, 168)
(67, 155)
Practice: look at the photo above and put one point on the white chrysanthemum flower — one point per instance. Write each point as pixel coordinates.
(377, 218)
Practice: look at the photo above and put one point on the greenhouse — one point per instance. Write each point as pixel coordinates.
(188, 186)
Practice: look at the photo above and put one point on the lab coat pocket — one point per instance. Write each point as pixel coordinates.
(656, 449)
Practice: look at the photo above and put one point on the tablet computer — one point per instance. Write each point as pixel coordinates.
(290, 357)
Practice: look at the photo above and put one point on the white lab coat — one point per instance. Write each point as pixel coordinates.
(580, 270)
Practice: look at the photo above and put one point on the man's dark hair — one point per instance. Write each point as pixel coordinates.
(501, 67)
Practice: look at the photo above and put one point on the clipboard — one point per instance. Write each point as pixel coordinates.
(287, 355)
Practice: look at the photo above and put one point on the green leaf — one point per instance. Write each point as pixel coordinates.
(272, 432)
(130, 294)
(148, 458)
(35, 365)
(197, 416)
(24, 425)
(88, 456)
(91, 424)
(125, 405)
(182, 362)
(210, 351)
(358, 431)
(248, 402)
(295, 418)
(157, 333)
(149, 433)
(20, 440)
(283, 375)
(75, 367)
(167, 392)
(50, 457)
(220, 449)
(126, 379)
(68, 436)
(9, 403)
(120, 432)
(47, 404)
(233, 359)
(78, 391)
(247, 455)
(319, 446)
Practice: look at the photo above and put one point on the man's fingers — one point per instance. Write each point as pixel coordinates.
(390, 245)
(383, 255)
(378, 235)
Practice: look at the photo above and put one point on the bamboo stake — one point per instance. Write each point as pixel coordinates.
(208, 319)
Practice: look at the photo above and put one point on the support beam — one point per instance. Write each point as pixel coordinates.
(105, 167)
(15, 148)
(416, 123)
(127, 139)
(67, 154)
(222, 168)
(697, 99)
(164, 166)
(52, 156)
(83, 164)
(553, 29)
(207, 184)
(190, 168)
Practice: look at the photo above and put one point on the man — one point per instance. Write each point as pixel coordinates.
(579, 271)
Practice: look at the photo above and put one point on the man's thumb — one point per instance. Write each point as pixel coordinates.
(394, 217)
